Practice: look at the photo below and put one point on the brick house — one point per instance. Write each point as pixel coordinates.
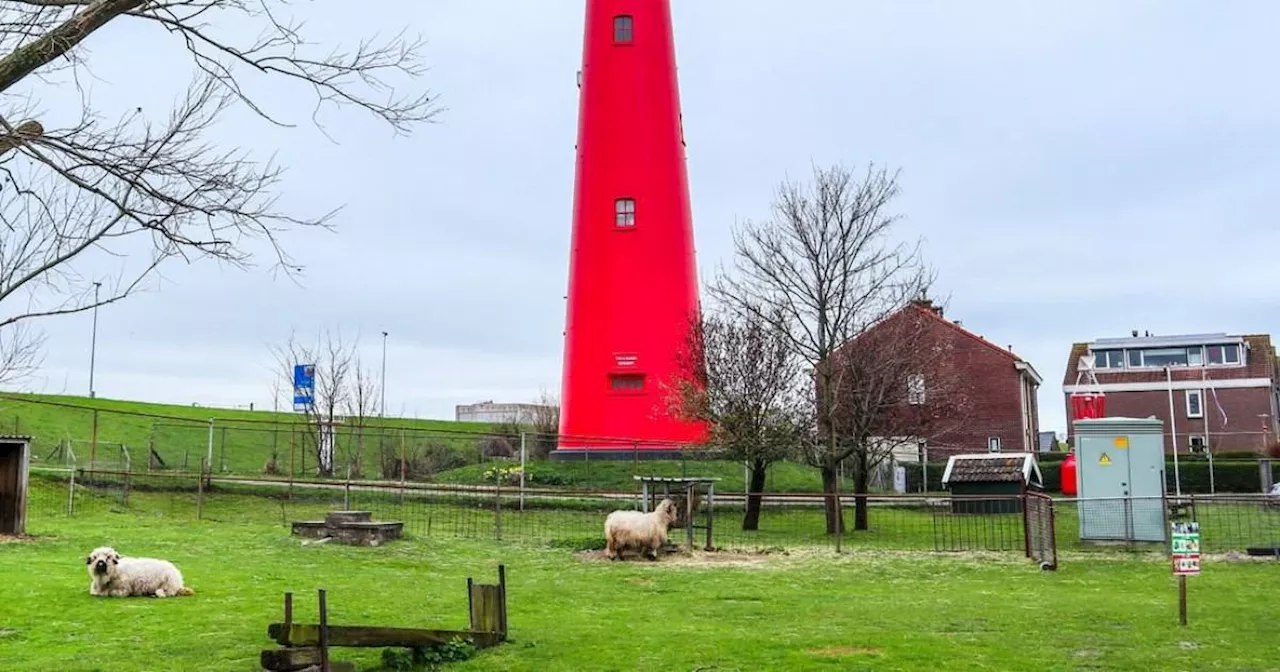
(1000, 411)
(1222, 388)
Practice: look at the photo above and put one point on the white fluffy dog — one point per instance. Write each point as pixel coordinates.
(117, 576)
(643, 532)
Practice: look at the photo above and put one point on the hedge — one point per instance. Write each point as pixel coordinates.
(1237, 476)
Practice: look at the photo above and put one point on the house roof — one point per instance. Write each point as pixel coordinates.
(1260, 362)
(993, 468)
(926, 308)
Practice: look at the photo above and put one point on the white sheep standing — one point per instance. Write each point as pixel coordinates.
(642, 532)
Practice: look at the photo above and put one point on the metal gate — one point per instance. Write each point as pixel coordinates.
(1038, 520)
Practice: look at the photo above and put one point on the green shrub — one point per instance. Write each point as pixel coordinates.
(1229, 476)
(428, 658)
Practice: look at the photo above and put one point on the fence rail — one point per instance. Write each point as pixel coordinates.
(1035, 525)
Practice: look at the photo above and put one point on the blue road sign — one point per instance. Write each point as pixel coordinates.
(304, 384)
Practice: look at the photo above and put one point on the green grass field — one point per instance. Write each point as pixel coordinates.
(868, 609)
(617, 475)
(243, 442)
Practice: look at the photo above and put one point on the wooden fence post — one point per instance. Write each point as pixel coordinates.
(71, 495)
(200, 492)
(497, 508)
(93, 443)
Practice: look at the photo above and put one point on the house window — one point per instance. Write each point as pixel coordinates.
(1195, 404)
(1223, 354)
(622, 29)
(624, 212)
(993, 444)
(915, 389)
(626, 382)
(1162, 357)
(1135, 359)
(1196, 443)
(1109, 359)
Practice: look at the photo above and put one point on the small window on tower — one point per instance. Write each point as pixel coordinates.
(624, 213)
(626, 382)
(622, 29)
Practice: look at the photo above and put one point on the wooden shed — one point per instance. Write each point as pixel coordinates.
(1008, 475)
(15, 458)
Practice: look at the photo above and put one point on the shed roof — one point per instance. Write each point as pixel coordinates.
(993, 468)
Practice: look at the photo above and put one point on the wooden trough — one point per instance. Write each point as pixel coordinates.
(306, 645)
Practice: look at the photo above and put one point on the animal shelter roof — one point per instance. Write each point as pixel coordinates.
(676, 479)
(993, 468)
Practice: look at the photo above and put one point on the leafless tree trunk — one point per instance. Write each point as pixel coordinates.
(361, 404)
(336, 365)
(546, 424)
(824, 270)
(737, 373)
(134, 188)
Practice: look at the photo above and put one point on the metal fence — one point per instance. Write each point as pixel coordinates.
(1036, 525)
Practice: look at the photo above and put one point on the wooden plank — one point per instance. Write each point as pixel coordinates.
(324, 635)
(486, 608)
(289, 660)
(308, 634)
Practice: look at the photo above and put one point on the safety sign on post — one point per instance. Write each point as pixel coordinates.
(1185, 552)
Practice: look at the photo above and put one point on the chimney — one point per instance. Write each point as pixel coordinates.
(927, 304)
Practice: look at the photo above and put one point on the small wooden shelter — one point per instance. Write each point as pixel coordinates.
(15, 462)
(687, 493)
(1007, 476)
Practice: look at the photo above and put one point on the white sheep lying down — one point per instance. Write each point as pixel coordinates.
(641, 532)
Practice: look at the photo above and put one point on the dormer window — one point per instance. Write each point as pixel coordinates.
(622, 29)
(624, 213)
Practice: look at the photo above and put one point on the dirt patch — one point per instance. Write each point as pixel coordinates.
(24, 539)
(836, 651)
(694, 559)
(639, 582)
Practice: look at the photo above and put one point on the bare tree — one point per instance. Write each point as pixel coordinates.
(129, 188)
(361, 403)
(337, 370)
(737, 374)
(898, 384)
(823, 270)
(546, 424)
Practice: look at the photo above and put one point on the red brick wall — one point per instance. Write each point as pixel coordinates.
(993, 386)
(1242, 431)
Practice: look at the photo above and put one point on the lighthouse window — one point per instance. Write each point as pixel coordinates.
(624, 212)
(622, 29)
(626, 382)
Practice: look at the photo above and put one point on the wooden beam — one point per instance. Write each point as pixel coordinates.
(289, 660)
(308, 634)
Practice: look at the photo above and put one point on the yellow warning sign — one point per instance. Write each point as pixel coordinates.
(1104, 460)
(1120, 442)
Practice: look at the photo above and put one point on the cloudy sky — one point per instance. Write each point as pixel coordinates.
(1077, 169)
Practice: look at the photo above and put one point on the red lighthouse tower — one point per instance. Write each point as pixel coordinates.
(633, 284)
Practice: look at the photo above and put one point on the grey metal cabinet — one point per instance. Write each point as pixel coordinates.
(1120, 479)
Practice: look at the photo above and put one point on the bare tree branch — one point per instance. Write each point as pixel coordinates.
(83, 194)
(738, 375)
(822, 271)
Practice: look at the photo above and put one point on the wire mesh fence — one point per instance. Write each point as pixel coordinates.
(1035, 525)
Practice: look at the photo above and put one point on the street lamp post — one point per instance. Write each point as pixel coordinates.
(382, 404)
(93, 343)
